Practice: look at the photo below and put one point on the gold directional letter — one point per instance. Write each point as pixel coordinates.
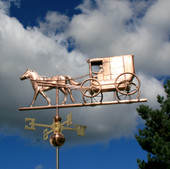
(31, 123)
(80, 130)
(69, 119)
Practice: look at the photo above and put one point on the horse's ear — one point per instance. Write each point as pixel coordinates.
(29, 69)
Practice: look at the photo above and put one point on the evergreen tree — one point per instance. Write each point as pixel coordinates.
(155, 137)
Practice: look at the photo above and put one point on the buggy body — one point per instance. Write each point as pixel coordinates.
(115, 73)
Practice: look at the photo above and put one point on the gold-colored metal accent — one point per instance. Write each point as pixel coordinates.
(80, 130)
(115, 73)
(31, 123)
(46, 133)
(68, 121)
(56, 126)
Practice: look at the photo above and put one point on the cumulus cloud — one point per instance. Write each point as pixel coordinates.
(5, 5)
(100, 28)
(61, 45)
(39, 167)
(54, 23)
(113, 27)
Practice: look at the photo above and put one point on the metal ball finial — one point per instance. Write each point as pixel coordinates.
(57, 139)
(57, 118)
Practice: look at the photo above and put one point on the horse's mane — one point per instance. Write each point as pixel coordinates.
(36, 73)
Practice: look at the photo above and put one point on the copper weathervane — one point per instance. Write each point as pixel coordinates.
(108, 74)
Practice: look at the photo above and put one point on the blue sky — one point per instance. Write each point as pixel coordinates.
(56, 37)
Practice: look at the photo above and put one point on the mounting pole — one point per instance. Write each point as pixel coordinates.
(57, 114)
(57, 101)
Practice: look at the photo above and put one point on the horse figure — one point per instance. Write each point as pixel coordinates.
(41, 84)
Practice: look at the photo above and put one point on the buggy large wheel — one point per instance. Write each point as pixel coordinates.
(94, 99)
(127, 86)
(90, 88)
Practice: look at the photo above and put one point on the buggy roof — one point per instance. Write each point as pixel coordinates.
(98, 61)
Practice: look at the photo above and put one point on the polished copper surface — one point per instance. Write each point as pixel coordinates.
(56, 126)
(41, 84)
(57, 118)
(115, 73)
(57, 139)
(106, 72)
(84, 104)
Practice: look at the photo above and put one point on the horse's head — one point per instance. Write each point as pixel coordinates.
(26, 75)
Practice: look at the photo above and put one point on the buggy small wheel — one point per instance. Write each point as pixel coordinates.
(127, 84)
(97, 98)
(90, 87)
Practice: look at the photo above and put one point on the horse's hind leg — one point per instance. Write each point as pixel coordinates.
(65, 94)
(71, 96)
(45, 96)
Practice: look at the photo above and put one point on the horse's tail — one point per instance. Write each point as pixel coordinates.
(72, 81)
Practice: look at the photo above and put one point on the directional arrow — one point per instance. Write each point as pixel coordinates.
(56, 126)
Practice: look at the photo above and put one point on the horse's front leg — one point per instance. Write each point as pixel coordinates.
(71, 96)
(34, 98)
(45, 96)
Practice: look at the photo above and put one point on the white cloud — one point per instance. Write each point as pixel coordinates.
(96, 31)
(102, 29)
(151, 87)
(54, 23)
(157, 18)
(39, 167)
(5, 5)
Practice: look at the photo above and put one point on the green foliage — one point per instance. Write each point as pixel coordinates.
(155, 137)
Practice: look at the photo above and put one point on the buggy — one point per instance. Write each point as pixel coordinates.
(116, 73)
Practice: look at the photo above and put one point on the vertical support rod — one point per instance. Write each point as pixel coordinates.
(57, 157)
(57, 114)
(57, 101)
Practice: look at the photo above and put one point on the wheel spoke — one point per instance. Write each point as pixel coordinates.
(97, 98)
(92, 85)
(127, 84)
(130, 97)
